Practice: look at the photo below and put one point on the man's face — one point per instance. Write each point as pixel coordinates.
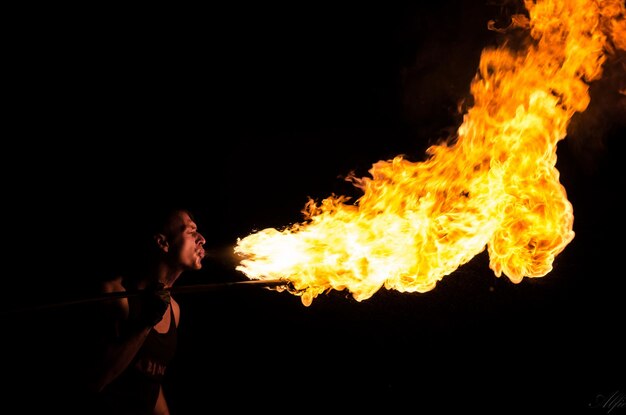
(186, 243)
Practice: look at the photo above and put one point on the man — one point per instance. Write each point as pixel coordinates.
(138, 328)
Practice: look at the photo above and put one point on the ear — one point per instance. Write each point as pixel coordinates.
(161, 241)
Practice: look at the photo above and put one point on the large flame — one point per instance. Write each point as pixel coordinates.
(495, 186)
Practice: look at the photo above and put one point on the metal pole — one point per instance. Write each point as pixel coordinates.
(184, 289)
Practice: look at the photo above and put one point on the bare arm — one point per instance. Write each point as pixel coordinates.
(115, 357)
(117, 346)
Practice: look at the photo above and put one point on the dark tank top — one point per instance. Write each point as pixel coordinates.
(136, 390)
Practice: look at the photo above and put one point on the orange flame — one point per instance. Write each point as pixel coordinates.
(496, 187)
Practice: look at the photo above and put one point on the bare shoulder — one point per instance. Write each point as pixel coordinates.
(113, 285)
(117, 306)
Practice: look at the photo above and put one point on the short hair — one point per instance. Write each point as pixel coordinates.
(135, 233)
(158, 220)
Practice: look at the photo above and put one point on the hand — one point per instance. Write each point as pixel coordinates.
(153, 303)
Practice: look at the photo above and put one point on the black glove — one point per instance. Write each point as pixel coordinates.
(151, 305)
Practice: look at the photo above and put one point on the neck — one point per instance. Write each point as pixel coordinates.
(158, 273)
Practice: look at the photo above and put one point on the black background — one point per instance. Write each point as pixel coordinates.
(244, 112)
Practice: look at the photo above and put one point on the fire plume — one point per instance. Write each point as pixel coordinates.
(494, 187)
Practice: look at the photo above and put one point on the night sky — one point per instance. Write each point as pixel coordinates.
(244, 112)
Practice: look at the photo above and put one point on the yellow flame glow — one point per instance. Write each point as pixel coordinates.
(495, 187)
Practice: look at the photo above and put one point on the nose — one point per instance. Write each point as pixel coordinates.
(200, 239)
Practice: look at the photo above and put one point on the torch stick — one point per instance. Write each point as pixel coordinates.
(182, 289)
